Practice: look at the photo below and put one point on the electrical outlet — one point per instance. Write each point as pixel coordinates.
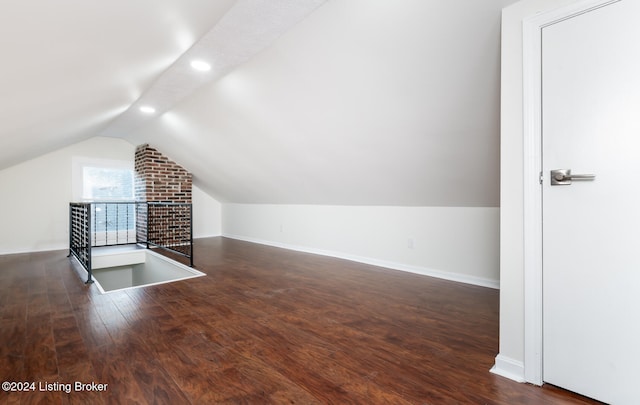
(410, 243)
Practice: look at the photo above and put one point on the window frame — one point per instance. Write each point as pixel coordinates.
(78, 167)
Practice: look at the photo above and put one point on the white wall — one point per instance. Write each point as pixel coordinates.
(456, 243)
(511, 358)
(35, 197)
(207, 213)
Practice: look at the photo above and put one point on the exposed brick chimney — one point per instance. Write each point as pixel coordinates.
(159, 179)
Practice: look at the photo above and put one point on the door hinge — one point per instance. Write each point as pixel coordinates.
(541, 178)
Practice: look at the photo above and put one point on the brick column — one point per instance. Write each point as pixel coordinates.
(159, 179)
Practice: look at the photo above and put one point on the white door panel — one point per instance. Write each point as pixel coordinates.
(591, 229)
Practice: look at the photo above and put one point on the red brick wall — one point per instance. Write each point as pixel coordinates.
(159, 179)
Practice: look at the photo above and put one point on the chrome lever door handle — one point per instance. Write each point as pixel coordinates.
(563, 177)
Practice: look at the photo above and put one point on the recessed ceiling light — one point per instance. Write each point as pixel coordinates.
(200, 65)
(147, 109)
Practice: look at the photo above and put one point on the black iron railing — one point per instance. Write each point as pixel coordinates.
(155, 225)
(169, 227)
(80, 234)
(113, 223)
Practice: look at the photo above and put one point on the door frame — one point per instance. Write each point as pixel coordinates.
(533, 177)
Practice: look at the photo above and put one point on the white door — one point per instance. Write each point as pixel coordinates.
(591, 228)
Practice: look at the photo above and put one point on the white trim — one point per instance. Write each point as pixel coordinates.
(103, 258)
(509, 368)
(445, 275)
(532, 98)
(53, 248)
(532, 130)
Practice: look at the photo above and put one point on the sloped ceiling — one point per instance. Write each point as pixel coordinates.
(368, 102)
(70, 66)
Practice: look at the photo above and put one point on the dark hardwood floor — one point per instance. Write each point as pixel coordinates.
(264, 326)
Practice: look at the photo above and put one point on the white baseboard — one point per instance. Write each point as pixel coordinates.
(461, 278)
(509, 368)
(203, 236)
(36, 250)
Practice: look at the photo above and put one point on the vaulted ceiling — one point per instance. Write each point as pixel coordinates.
(367, 102)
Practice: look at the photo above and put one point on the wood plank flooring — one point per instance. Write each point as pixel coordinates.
(265, 326)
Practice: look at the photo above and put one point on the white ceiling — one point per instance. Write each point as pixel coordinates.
(70, 66)
(370, 102)
(246, 29)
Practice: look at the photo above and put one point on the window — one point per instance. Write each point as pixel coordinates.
(107, 184)
(102, 179)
